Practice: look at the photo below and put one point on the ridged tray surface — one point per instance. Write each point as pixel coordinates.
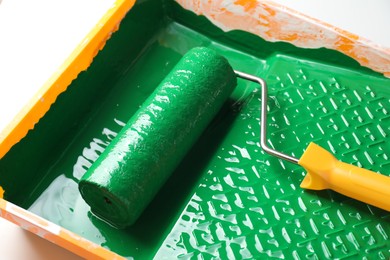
(250, 205)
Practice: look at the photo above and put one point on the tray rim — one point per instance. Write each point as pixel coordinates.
(275, 22)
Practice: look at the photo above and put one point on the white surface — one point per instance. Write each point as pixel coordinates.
(369, 19)
(37, 35)
(35, 38)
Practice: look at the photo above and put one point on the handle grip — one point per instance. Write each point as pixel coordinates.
(324, 171)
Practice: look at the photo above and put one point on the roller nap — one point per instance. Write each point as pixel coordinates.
(129, 173)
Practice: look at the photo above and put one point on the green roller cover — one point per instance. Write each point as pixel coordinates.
(132, 169)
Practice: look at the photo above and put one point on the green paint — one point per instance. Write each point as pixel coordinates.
(126, 177)
(227, 198)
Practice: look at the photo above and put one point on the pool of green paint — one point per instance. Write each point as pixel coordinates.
(227, 199)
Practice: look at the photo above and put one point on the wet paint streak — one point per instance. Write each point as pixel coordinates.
(274, 23)
(54, 233)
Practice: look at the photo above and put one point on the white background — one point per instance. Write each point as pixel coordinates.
(36, 36)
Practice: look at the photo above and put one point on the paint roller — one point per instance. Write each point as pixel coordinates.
(132, 169)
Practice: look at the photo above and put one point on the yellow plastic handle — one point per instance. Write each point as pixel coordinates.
(324, 171)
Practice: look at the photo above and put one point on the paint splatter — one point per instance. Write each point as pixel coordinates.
(274, 22)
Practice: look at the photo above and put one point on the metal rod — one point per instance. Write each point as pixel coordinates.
(263, 125)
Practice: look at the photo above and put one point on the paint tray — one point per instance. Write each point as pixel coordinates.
(227, 199)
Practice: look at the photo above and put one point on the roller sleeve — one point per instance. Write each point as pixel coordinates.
(132, 169)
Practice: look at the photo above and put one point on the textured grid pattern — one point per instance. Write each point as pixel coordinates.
(249, 205)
